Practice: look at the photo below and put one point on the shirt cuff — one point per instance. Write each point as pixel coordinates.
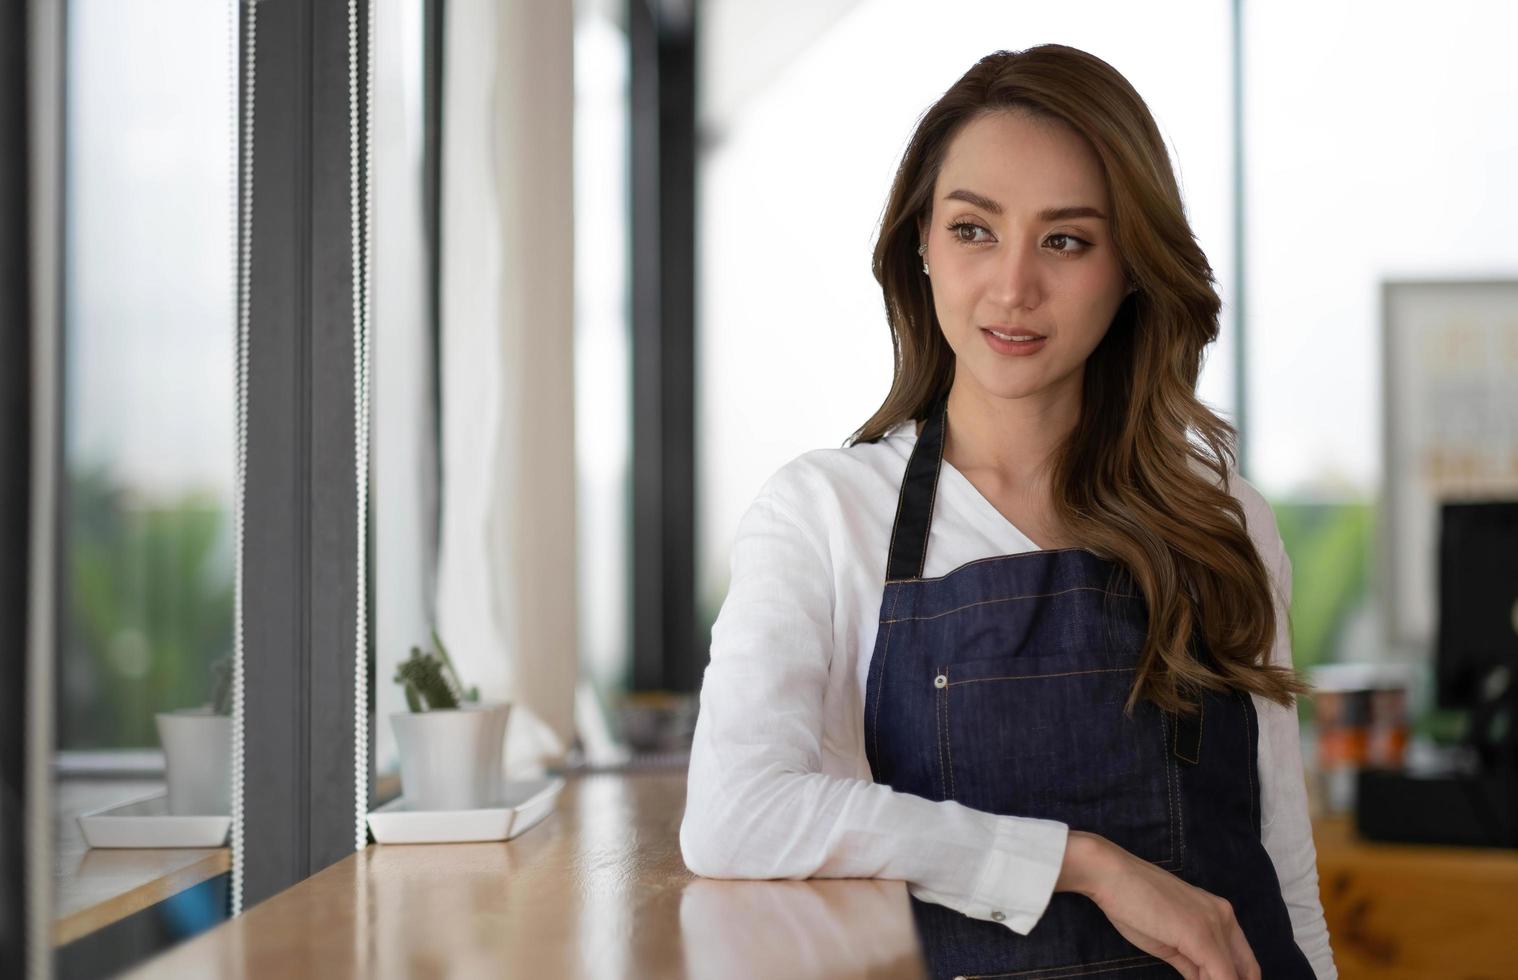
(1020, 873)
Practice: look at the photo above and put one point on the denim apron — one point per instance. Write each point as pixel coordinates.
(1001, 685)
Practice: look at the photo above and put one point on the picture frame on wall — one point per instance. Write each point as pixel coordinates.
(1449, 423)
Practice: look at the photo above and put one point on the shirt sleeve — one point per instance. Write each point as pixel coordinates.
(1285, 827)
(758, 804)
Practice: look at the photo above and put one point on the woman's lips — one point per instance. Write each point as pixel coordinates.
(1015, 348)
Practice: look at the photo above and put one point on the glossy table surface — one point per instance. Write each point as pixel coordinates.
(598, 889)
(95, 887)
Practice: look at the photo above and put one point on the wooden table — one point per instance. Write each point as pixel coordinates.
(1412, 911)
(598, 889)
(94, 887)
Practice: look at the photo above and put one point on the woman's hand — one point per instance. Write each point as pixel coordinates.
(1191, 929)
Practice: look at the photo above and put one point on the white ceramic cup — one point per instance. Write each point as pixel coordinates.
(197, 752)
(451, 758)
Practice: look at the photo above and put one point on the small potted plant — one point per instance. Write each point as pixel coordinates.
(450, 742)
(197, 749)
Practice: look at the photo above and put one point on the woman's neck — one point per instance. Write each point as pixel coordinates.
(1009, 441)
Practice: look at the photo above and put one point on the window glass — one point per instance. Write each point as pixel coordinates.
(148, 390)
(603, 351)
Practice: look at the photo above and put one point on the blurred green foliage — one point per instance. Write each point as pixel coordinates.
(147, 593)
(1330, 546)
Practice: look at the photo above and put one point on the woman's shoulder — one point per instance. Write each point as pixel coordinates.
(825, 484)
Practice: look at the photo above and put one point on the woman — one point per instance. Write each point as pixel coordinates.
(1022, 642)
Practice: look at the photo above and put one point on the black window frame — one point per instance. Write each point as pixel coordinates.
(667, 652)
(301, 509)
(16, 422)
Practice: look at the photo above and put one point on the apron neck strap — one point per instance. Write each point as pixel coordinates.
(914, 507)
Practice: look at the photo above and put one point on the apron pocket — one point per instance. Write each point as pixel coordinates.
(1046, 737)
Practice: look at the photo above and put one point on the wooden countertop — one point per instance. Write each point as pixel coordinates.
(598, 889)
(1411, 911)
(94, 887)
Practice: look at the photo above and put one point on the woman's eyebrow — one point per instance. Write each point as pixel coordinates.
(1047, 214)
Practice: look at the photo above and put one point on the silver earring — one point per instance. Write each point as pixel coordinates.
(923, 250)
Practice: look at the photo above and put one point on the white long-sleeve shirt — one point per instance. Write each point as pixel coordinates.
(779, 783)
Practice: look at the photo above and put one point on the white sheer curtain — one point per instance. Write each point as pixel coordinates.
(402, 460)
(506, 581)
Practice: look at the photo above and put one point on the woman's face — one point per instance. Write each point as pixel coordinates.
(1019, 244)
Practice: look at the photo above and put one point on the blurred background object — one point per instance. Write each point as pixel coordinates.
(1361, 723)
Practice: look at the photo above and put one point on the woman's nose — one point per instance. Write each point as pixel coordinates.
(1018, 283)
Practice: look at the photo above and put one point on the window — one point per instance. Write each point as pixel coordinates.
(603, 356)
(146, 563)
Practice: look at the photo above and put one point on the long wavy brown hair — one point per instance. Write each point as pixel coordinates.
(1124, 481)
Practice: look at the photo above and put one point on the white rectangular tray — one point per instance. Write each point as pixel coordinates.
(146, 822)
(523, 804)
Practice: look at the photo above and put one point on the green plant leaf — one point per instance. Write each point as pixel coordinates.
(473, 694)
(426, 688)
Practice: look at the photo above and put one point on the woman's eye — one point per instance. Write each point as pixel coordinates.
(1067, 244)
(964, 231)
(970, 233)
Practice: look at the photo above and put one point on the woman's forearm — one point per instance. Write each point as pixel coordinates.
(1087, 860)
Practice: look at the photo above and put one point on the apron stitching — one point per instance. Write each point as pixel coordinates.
(1249, 762)
(943, 737)
(1016, 554)
(1176, 744)
(1010, 598)
(1180, 811)
(1169, 788)
(1196, 757)
(1035, 677)
(1053, 972)
(1174, 772)
(1201, 727)
(949, 741)
(880, 678)
(879, 688)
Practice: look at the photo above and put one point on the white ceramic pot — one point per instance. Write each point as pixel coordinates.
(451, 759)
(197, 752)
